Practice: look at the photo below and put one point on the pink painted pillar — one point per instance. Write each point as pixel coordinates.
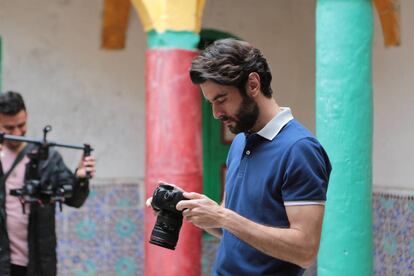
(173, 153)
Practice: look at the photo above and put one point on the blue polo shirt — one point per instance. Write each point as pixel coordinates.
(281, 165)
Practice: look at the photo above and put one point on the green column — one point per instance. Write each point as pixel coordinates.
(344, 31)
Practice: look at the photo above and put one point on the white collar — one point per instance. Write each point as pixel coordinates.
(273, 127)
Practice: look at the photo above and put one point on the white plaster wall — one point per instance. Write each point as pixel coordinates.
(285, 32)
(393, 76)
(52, 55)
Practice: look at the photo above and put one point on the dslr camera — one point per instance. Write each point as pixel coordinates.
(169, 220)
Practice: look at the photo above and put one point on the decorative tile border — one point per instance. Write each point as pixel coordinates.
(393, 219)
(105, 236)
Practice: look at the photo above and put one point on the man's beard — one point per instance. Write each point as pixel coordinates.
(245, 117)
(15, 145)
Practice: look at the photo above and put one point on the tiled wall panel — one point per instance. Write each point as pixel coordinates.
(105, 236)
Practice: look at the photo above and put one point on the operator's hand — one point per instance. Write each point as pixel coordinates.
(86, 165)
(201, 211)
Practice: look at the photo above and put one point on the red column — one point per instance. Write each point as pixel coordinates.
(173, 153)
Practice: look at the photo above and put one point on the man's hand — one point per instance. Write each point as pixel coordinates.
(202, 211)
(86, 165)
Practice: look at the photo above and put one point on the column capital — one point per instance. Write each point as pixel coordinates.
(178, 15)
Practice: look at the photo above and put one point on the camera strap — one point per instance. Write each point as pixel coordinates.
(19, 158)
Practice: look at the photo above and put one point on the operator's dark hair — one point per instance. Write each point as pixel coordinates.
(11, 103)
(229, 62)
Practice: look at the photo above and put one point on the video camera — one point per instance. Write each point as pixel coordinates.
(34, 190)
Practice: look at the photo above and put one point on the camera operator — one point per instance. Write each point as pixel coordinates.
(270, 220)
(28, 240)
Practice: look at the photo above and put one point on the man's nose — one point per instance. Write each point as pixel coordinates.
(17, 131)
(217, 111)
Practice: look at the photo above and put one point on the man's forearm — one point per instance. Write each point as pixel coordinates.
(287, 244)
(297, 244)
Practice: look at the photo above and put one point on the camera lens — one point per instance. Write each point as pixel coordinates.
(166, 230)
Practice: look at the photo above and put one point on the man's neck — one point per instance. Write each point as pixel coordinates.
(16, 149)
(268, 110)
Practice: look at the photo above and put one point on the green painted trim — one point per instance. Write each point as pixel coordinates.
(213, 34)
(172, 39)
(207, 36)
(344, 125)
(214, 153)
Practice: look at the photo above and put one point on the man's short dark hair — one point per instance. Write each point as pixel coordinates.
(11, 103)
(229, 62)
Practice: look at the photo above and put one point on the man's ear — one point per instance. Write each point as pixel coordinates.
(253, 85)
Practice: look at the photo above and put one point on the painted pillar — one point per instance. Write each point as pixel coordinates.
(344, 31)
(173, 123)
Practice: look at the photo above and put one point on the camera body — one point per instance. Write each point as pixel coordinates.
(169, 220)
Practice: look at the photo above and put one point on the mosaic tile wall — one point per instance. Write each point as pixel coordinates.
(393, 234)
(105, 236)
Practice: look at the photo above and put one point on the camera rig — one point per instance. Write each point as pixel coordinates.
(33, 190)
